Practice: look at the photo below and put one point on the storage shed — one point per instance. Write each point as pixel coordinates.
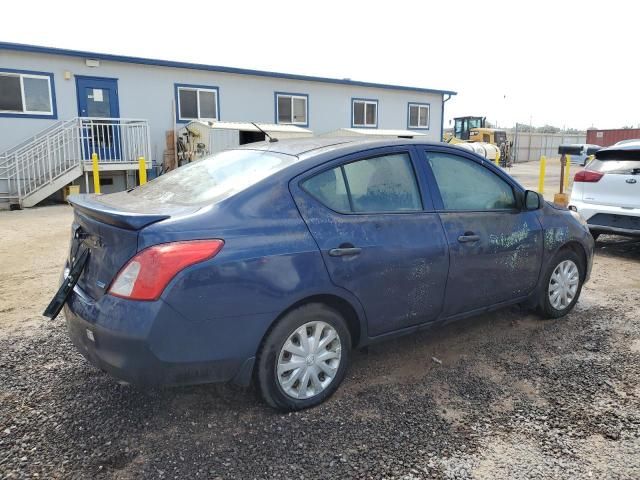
(212, 137)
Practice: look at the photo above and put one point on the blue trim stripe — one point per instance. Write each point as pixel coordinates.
(370, 100)
(176, 86)
(417, 104)
(289, 94)
(52, 85)
(19, 47)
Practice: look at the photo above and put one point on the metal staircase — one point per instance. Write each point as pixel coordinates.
(43, 164)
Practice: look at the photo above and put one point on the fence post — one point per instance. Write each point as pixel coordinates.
(142, 169)
(96, 173)
(543, 168)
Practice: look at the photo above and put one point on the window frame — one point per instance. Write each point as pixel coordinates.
(197, 88)
(421, 185)
(366, 101)
(419, 105)
(292, 96)
(52, 114)
(432, 184)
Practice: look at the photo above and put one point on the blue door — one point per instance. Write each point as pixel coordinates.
(379, 236)
(98, 102)
(495, 247)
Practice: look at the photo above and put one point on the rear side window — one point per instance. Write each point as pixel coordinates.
(330, 189)
(380, 184)
(466, 185)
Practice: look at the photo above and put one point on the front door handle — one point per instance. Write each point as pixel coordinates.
(468, 237)
(344, 251)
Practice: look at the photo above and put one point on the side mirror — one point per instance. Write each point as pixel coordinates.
(532, 200)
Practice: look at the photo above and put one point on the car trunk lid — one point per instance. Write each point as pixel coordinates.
(109, 227)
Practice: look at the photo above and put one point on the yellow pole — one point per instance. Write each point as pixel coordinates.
(497, 160)
(142, 171)
(543, 168)
(566, 172)
(96, 173)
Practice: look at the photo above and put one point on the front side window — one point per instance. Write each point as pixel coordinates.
(26, 94)
(365, 113)
(418, 115)
(291, 109)
(380, 184)
(197, 103)
(467, 185)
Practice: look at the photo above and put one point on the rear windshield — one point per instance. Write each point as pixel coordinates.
(213, 178)
(624, 167)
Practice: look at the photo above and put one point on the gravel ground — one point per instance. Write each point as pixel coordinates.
(504, 395)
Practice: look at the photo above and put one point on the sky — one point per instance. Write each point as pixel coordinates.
(563, 63)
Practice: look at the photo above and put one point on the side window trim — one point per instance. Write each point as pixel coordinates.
(434, 188)
(426, 200)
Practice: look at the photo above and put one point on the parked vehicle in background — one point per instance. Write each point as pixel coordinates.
(633, 140)
(579, 153)
(607, 193)
(273, 261)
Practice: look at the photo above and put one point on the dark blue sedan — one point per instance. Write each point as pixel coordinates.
(272, 262)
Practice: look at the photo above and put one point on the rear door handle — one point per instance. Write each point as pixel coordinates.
(343, 252)
(468, 237)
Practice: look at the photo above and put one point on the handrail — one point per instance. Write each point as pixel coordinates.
(39, 160)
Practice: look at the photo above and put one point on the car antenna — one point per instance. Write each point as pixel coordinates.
(271, 139)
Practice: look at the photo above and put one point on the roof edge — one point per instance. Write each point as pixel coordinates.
(21, 47)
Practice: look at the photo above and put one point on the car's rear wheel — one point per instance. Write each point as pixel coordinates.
(304, 358)
(562, 284)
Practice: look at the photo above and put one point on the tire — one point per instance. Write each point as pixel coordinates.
(280, 384)
(550, 306)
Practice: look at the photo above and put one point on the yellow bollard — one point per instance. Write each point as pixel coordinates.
(142, 169)
(497, 160)
(567, 168)
(96, 173)
(543, 168)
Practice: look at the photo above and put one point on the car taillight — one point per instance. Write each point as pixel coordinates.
(145, 276)
(588, 176)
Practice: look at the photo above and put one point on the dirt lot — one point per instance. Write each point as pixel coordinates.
(508, 396)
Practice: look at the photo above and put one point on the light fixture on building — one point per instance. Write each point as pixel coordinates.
(92, 62)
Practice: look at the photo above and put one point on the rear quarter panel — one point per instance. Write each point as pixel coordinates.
(268, 263)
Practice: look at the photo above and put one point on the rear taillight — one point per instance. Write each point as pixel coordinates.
(588, 176)
(146, 275)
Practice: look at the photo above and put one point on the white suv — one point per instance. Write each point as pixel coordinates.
(607, 192)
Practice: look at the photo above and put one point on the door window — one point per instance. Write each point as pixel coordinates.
(98, 102)
(380, 184)
(467, 185)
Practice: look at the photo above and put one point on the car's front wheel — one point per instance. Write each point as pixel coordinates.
(562, 284)
(304, 358)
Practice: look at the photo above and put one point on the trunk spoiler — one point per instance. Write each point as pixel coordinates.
(130, 220)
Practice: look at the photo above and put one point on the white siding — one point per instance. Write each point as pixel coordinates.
(147, 92)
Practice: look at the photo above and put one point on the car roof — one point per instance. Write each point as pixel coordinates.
(310, 146)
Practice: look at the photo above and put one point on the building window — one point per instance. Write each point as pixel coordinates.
(364, 113)
(197, 102)
(26, 94)
(418, 116)
(292, 108)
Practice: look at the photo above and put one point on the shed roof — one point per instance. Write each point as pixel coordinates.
(20, 47)
(380, 132)
(251, 127)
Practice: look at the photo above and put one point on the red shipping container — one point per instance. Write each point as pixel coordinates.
(605, 138)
